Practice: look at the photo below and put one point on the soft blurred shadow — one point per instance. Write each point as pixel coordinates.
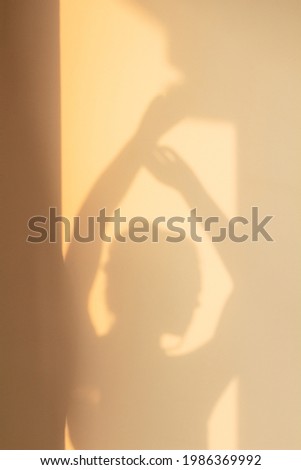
(35, 329)
(239, 62)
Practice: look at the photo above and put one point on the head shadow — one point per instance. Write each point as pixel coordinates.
(153, 288)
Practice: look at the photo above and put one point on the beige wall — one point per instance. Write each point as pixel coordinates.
(153, 345)
(233, 70)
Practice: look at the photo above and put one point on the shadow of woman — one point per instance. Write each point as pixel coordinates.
(226, 76)
(129, 391)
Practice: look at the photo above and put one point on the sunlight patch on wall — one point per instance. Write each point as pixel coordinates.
(223, 422)
(108, 79)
